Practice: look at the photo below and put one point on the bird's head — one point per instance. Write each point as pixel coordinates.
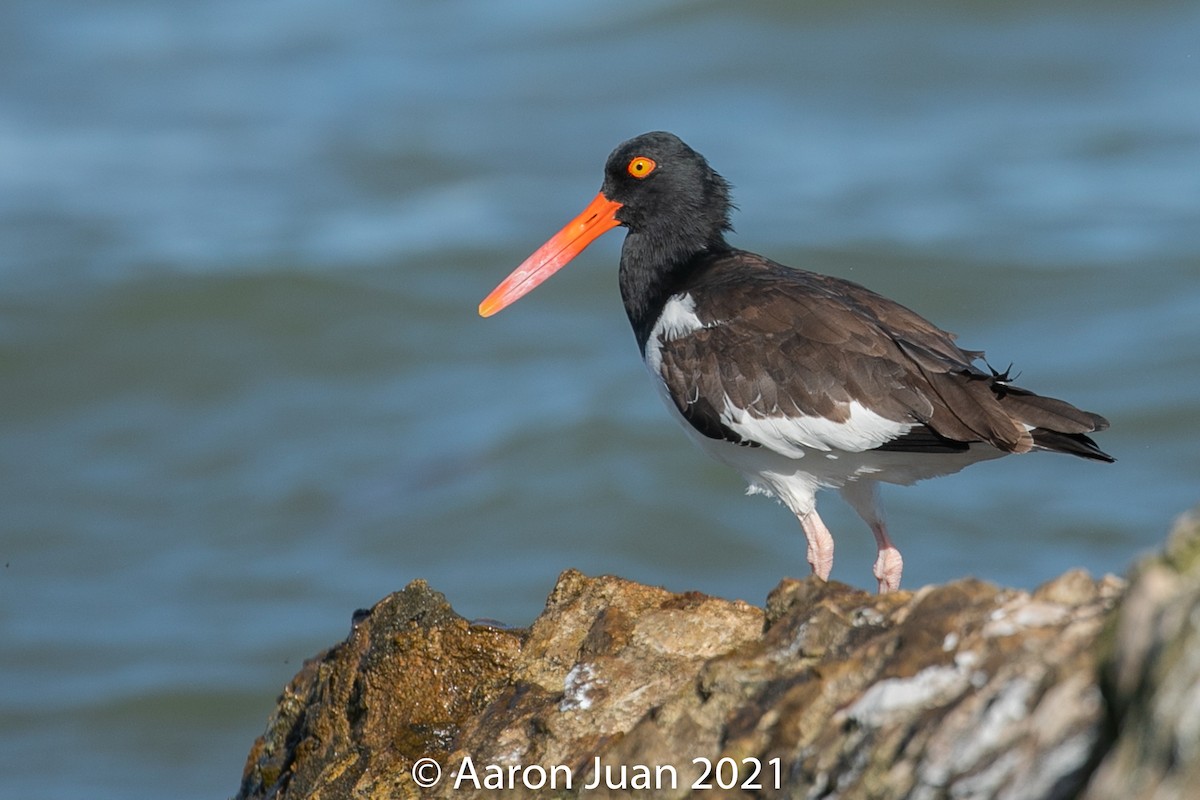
(663, 191)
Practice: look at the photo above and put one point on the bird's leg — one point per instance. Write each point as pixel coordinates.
(888, 564)
(863, 496)
(820, 544)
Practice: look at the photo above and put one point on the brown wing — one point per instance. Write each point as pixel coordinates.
(779, 341)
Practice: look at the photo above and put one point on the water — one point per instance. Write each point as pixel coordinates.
(243, 389)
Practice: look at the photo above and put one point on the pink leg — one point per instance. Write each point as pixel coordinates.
(820, 544)
(888, 564)
(863, 496)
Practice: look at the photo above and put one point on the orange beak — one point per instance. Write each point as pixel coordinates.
(598, 217)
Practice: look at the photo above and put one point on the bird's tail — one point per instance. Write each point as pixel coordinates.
(1055, 425)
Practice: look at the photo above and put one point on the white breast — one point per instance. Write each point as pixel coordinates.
(678, 319)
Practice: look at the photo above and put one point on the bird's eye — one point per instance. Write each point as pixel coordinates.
(641, 166)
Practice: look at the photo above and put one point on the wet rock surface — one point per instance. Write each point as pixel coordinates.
(1082, 688)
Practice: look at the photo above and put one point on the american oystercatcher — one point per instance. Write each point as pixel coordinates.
(797, 380)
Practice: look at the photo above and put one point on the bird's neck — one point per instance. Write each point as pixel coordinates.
(654, 267)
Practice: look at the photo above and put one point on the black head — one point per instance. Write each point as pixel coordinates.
(667, 190)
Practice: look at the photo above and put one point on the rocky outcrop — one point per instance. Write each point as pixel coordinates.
(1151, 676)
(1082, 688)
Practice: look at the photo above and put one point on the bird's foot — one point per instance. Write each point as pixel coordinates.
(820, 545)
(888, 566)
(821, 562)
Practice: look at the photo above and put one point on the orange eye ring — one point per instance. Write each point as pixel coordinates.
(640, 167)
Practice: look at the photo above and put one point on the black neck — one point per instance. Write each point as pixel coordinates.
(653, 269)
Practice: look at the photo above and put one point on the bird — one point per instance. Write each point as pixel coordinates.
(797, 380)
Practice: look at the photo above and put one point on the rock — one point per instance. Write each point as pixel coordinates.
(410, 673)
(1082, 688)
(1151, 677)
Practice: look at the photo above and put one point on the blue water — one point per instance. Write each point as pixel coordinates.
(243, 387)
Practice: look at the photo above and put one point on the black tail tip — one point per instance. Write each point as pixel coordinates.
(1075, 444)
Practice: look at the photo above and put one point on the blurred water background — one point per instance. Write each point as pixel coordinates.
(243, 387)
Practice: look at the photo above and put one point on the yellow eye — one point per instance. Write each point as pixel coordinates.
(641, 166)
